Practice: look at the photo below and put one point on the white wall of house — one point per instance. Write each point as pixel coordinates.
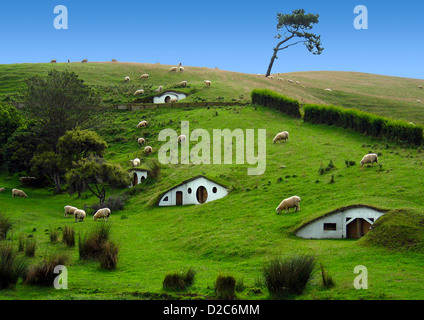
(141, 175)
(315, 229)
(162, 98)
(189, 191)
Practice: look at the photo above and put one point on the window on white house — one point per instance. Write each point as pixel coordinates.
(330, 226)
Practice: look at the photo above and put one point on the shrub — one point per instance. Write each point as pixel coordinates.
(154, 169)
(30, 247)
(327, 280)
(289, 276)
(114, 203)
(68, 236)
(12, 266)
(109, 256)
(43, 274)
(179, 280)
(91, 245)
(276, 101)
(5, 226)
(225, 287)
(54, 235)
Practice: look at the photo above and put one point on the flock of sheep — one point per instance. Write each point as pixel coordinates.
(80, 214)
(183, 83)
(294, 201)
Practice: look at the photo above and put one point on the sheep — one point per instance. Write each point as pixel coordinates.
(18, 193)
(419, 101)
(181, 68)
(141, 141)
(158, 90)
(182, 138)
(148, 150)
(2, 189)
(328, 89)
(420, 87)
(102, 213)
(144, 76)
(281, 136)
(207, 82)
(369, 158)
(280, 79)
(183, 83)
(139, 91)
(297, 82)
(286, 204)
(84, 61)
(136, 162)
(53, 61)
(69, 210)
(79, 215)
(270, 77)
(173, 69)
(142, 124)
(173, 100)
(290, 80)
(127, 79)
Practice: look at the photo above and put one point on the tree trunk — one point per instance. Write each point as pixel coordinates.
(274, 56)
(57, 184)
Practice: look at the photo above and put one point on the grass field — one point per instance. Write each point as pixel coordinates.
(239, 233)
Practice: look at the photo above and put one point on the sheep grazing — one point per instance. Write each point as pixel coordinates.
(369, 158)
(158, 90)
(79, 215)
(141, 141)
(173, 69)
(2, 189)
(207, 82)
(18, 193)
(297, 82)
(328, 89)
(69, 210)
(420, 87)
(127, 79)
(290, 80)
(280, 79)
(142, 124)
(281, 136)
(136, 162)
(270, 77)
(286, 204)
(84, 61)
(183, 83)
(144, 76)
(148, 150)
(181, 68)
(53, 61)
(139, 91)
(173, 100)
(419, 101)
(102, 213)
(182, 138)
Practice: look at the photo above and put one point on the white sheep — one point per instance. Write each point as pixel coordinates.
(2, 189)
(139, 91)
(369, 158)
(297, 82)
(280, 79)
(207, 82)
(79, 215)
(281, 136)
(135, 162)
(148, 150)
(142, 124)
(270, 77)
(158, 90)
(419, 101)
(18, 193)
(172, 100)
(420, 86)
(286, 204)
(102, 213)
(69, 210)
(144, 76)
(183, 83)
(173, 69)
(182, 138)
(127, 79)
(290, 80)
(181, 68)
(141, 141)
(328, 89)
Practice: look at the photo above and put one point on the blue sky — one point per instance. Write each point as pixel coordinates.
(231, 35)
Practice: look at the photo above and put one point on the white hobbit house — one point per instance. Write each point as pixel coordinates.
(196, 190)
(167, 96)
(137, 176)
(348, 222)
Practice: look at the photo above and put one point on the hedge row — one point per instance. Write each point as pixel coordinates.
(268, 98)
(367, 123)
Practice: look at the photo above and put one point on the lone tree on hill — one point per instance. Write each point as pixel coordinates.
(295, 26)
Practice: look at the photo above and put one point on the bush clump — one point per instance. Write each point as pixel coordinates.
(179, 280)
(43, 274)
(5, 226)
(12, 266)
(225, 287)
(68, 236)
(91, 245)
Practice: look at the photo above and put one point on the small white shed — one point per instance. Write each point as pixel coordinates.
(167, 96)
(196, 190)
(349, 222)
(137, 175)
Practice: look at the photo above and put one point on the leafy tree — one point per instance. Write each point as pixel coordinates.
(95, 174)
(295, 26)
(59, 102)
(10, 120)
(49, 164)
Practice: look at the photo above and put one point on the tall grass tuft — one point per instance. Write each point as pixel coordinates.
(54, 235)
(5, 226)
(68, 236)
(43, 274)
(327, 280)
(109, 256)
(179, 280)
(289, 276)
(30, 247)
(12, 266)
(225, 287)
(91, 244)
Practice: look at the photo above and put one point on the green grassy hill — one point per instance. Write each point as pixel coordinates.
(392, 97)
(239, 233)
